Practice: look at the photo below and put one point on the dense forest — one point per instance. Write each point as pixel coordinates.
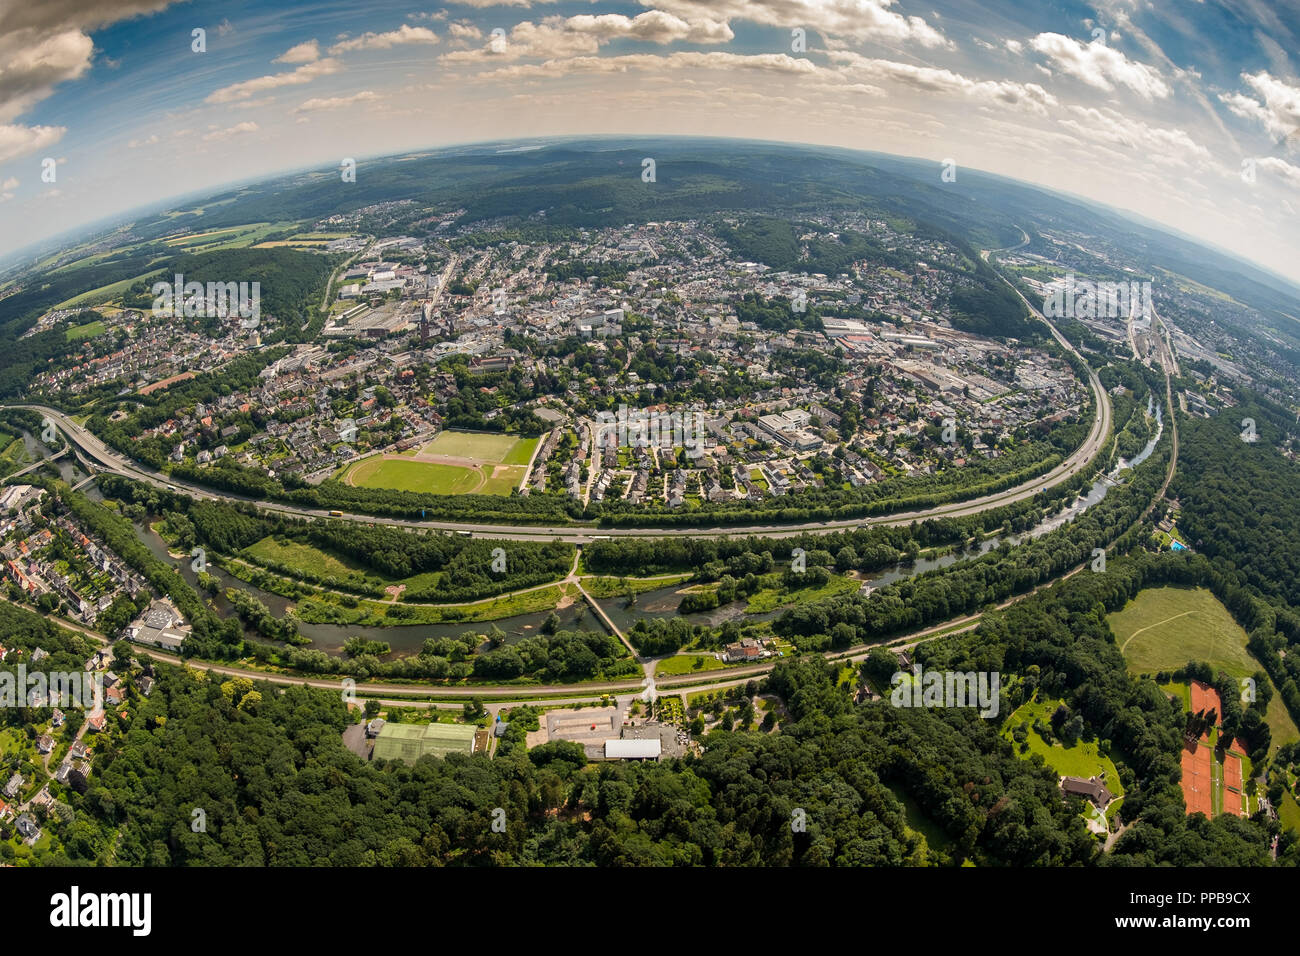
(267, 767)
(291, 282)
(1241, 500)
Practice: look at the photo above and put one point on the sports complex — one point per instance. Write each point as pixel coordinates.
(453, 463)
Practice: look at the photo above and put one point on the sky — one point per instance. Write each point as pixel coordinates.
(1186, 112)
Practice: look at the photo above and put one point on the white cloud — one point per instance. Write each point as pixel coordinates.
(31, 67)
(239, 129)
(1100, 66)
(48, 15)
(765, 62)
(10, 184)
(402, 36)
(528, 40)
(250, 88)
(1279, 112)
(1164, 145)
(928, 79)
(653, 26)
(18, 141)
(334, 102)
(1280, 167)
(148, 141)
(306, 52)
(859, 20)
(464, 31)
(585, 34)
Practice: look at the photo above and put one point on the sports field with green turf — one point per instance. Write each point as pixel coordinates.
(500, 449)
(453, 463)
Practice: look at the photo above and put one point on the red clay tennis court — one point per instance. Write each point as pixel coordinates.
(1232, 784)
(1205, 697)
(1197, 763)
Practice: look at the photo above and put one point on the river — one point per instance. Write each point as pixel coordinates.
(659, 603)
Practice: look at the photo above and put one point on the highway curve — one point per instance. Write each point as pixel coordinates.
(92, 447)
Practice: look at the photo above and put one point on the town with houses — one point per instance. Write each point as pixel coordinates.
(384, 369)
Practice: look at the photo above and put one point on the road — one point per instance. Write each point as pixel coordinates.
(1079, 461)
(563, 694)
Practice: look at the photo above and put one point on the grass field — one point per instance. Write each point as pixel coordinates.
(466, 463)
(933, 837)
(771, 598)
(611, 587)
(1084, 759)
(685, 664)
(502, 449)
(87, 331)
(401, 475)
(295, 554)
(323, 609)
(1164, 628)
(13, 456)
(314, 562)
(1289, 812)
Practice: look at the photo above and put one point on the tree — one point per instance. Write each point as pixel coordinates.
(121, 655)
(1071, 730)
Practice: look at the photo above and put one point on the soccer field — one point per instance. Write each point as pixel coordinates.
(500, 449)
(401, 475)
(453, 463)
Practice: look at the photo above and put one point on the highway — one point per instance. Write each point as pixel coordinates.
(498, 695)
(1079, 461)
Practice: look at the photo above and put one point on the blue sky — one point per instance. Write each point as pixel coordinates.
(1185, 112)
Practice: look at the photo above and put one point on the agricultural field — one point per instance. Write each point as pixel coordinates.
(454, 463)
(233, 237)
(304, 240)
(105, 293)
